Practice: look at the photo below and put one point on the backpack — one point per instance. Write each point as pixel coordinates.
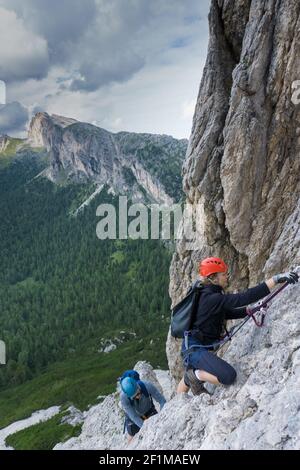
(183, 314)
(136, 376)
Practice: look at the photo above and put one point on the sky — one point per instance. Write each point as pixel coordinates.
(123, 65)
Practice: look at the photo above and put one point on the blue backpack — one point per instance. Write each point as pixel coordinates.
(136, 376)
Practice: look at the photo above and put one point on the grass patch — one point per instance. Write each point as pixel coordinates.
(118, 257)
(131, 274)
(7, 155)
(43, 436)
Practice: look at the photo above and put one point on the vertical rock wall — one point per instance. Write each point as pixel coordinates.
(242, 167)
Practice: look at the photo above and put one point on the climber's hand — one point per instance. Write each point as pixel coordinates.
(290, 278)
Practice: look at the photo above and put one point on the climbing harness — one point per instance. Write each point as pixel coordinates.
(257, 313)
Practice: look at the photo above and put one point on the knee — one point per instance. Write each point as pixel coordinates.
(228, 377)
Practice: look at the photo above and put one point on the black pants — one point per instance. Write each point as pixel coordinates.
(205, 360)
(131, 427)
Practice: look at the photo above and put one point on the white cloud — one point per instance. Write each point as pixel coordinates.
(140, 65)
(2, 92)
(13, 119)
(22, 53)
(188, 108)
(152, 101)
(61, 23)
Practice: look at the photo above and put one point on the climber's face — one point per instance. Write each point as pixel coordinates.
(222, 279)
(138, 395)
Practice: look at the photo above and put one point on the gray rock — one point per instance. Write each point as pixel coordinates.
(111, 347)
(125, 162)
(147, 373)
(242, 165)
(102, 428)
(241, 174)
(74, 417)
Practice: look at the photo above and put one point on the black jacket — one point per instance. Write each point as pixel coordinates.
(215, 307)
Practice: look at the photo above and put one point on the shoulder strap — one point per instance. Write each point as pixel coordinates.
(197, 287)
(143, 388)
(145, 391)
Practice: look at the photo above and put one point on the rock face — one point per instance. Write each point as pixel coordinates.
(102, 428)
(260, 411)
(74, 417)
(127, 162)
(241, 172)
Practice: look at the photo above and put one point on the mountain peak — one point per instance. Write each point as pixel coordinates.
(62, 121)
(127, 162)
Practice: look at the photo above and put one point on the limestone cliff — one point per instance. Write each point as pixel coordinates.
(127, 162)
(242, 168)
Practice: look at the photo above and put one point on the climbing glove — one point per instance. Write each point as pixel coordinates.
(290, 278)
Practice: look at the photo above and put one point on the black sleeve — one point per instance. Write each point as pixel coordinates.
(228, 302)
(233, 313)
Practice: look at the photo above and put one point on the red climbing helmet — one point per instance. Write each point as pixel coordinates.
(212, 265)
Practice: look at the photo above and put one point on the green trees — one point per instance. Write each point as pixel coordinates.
(59, 285)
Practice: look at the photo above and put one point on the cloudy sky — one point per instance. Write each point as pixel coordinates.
(132, 65)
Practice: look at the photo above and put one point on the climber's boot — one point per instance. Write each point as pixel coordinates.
(192, 381)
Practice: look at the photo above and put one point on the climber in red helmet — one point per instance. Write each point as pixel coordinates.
(214, 308)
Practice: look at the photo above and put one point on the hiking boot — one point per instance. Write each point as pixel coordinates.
(192, 381)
